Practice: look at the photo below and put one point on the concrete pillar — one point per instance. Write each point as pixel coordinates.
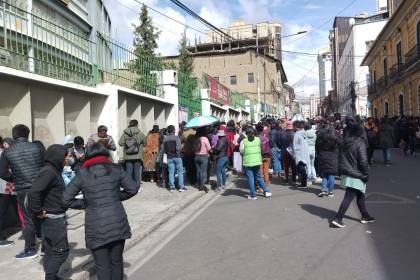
(147, 116)
(122, 120)
(56, 123)
(21, 112)
(159, 115)
(77, 114)
(205, 103)
(170, 88)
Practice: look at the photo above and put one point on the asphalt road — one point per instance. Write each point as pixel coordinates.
(288, 236)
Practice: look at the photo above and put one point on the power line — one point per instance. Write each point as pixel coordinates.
(199, 18)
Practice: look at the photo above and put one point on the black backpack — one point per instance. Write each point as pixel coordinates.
(131, 146)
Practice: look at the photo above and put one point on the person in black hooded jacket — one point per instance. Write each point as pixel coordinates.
(45, 200)
(354, 174)
(104, 186)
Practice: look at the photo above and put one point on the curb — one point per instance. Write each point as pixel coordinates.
(85, 269)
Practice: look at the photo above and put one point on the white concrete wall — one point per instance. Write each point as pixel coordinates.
(53, 108)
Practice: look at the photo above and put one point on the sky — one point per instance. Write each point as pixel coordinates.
(314, 16)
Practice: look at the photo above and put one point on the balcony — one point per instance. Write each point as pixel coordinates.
(412, 58)
(396, 72)
(375, 89)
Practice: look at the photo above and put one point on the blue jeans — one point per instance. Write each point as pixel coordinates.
(327, 181)
(311, 167)
(221, 166)
(254, 173)
(276, 155)
(201, 163)
(387, 155)
(175, 164)
(133, 169)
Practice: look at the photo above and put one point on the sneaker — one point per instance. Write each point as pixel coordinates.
(330, 194)
(171, 190)
(217, 189)
(309, 183)
(322, 194)
(338, 223)
(6, 243)
(181, 190)
(367, 220)
(268, 194)
(31, 254)
(252, 197)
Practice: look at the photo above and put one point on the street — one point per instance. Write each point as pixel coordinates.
(288, 236)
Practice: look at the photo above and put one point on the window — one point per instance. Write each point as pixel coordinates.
(251, 78)
(386, 109)
(386, 70)
(233, 80)
(399, 54)
(401, 104)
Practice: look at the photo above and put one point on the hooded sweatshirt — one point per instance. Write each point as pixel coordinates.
(47, 190)
(300, 147)
(141, 141)
(311, 138)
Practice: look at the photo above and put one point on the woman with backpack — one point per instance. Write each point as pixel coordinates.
(202, 151)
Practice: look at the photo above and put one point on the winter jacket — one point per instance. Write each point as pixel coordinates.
(172, 146)
(221, 149)
(141, 141)
(311, 138)
(327, 153)
(47, 190)
(353, 158)
(105, 217)
(386, 137)
(286, 140)
(275, 138)
(24, 159)
(300, 147)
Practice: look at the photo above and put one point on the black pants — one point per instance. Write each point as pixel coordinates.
(5, 201)
(301, 169)
(348, 198)
(188, 161)
(289, 163)
(109, 261)
(28, 225)
(54, 239)
(370, 152)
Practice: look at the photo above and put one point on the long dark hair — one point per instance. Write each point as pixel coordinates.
(327, 139)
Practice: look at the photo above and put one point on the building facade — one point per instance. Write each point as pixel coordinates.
(352, 78)
(394, 63)
(239, 70)
(61, 73)
(324, 70)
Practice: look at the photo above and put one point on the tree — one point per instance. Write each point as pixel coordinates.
(187, 84)
(186, 65)
(145, 35)
(146, 61)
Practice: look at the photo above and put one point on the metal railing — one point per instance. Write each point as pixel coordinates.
(189, 96)
(413, 56)
(32, 44)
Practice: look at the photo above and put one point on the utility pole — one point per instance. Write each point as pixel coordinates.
(258, 80)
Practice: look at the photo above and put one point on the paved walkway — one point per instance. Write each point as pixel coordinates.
(288, 236)
(146, 211)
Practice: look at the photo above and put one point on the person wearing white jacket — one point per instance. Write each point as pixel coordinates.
(301, 152)
(311, 138)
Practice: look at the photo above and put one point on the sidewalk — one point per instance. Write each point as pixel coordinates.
(146, 212)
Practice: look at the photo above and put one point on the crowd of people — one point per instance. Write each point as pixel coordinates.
(41, 184)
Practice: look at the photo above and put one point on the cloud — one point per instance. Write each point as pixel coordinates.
(311, 7)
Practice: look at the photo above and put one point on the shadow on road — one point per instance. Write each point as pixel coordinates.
(322, 212)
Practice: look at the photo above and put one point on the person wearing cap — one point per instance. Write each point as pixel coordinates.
(172, 148)
(102, 137)
(221, 153)
(104, 186)
(250, 148)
